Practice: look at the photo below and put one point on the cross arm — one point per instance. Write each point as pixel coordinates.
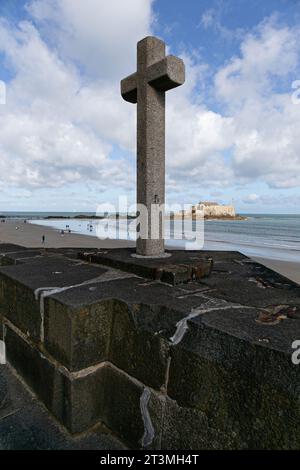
(129, 88)
(166, 74)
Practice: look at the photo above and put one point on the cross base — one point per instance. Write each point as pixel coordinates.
(162, 255)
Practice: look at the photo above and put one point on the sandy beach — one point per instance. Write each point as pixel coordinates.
(286, 268)
(30, 236)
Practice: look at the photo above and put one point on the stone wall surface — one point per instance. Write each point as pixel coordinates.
(197, 362)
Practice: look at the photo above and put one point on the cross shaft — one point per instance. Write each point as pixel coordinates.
(155, 75)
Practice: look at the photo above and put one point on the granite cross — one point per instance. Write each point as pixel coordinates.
(155, 75)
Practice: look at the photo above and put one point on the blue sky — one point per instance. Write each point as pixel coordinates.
(67, 139)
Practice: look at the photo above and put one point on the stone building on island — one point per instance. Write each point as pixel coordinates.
(214, 209)
(211, 210)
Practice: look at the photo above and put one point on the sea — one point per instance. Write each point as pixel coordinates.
(262, 235)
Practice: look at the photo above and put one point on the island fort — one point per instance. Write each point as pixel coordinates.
(211, 210)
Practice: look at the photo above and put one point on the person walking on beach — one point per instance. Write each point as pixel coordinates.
(43, 239)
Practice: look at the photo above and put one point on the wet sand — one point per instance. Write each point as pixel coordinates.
(30, 236)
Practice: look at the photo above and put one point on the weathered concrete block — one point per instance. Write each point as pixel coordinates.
(1, 327)
(80, 400)
(251, 284)
(75, 400)
(255, 416)
(25, 424)
(134, 413)
(19, 305)
(6, 248)
(85, 325)
(12, 395)
(84, 398)
(175, 274)
(39, 373)
(23, 285)
(107, 329)
(243, 388)
(221, 348)
(135, 349)
(203, 269)
(19, 257)
(180, 267)
(189, 429)
(78, 337)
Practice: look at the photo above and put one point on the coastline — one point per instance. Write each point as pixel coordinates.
(289, 269)
(30, 235)
(223, 218)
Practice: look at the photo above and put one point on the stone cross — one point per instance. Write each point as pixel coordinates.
(155, 75)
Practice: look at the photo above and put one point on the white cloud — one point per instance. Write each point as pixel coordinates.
(259, 124)
(100, 35)
(196, 136)
(266, 55)
(275, 199)
(64, 114)
(212, 18)
(251, 198)
(59, 125)
(208, 18)
(266, 122)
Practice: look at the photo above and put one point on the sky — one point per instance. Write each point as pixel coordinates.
(67, 139)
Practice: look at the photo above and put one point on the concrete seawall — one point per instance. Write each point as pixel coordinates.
(169, 356)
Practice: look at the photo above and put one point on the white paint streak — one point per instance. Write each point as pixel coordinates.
(2, 353)
(43, 292)
(216, 305)
(182, 327)
(89, 370)
(149, 432)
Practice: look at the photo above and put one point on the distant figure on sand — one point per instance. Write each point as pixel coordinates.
(43, 239)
